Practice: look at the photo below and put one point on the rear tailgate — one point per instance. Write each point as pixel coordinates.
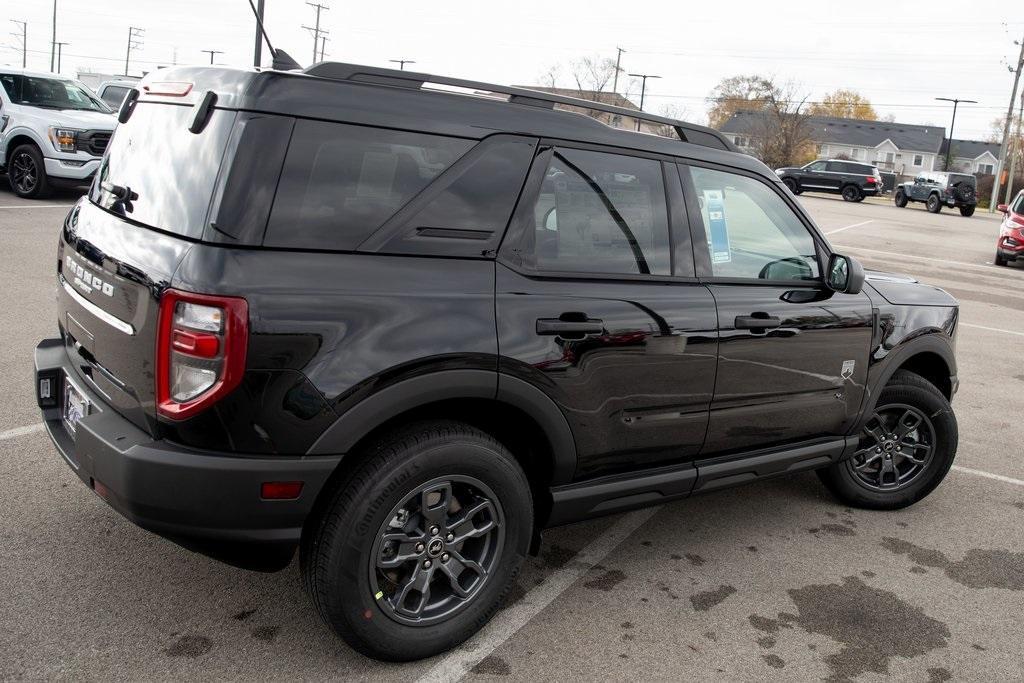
(120, 248)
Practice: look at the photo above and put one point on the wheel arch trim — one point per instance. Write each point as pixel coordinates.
(933, 343)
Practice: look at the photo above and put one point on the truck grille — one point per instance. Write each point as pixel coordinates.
(94, 141)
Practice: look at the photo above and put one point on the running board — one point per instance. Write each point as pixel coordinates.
(619, 493)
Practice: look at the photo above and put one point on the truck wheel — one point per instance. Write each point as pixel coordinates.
(26, 172)
(967, 210)
(906, 448)
(418, 546)
(900, 198)
(793, 186)
(934, 204)
(851, 193)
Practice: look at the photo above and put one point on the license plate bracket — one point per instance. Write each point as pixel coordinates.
(76, 405)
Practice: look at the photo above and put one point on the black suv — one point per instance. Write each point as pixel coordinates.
(940, 189)
(852, 180)
(405, 322)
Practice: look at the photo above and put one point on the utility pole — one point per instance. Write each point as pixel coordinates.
(53, 41)
(402, 62)
(212, 53)
(60, 49)
(24, 40)
(315, 29)
(257, 57)
(1014, 153)
(134, 43)
(618, 59)
(949, 145)
(1006, 128)
(323, 47)
(643, 90)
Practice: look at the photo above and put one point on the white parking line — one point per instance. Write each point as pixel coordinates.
(988, 475)
(993, 329)
(855, 225)
(460, 661)
(990, 269)
(38, 206)
(21, 431)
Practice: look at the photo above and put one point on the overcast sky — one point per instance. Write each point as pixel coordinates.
(900, 54)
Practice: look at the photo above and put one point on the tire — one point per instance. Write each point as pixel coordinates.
(793, 186)
(860, 198)
(378, 612)
(967, 211)
(855, 480)
(851, 193)
(900, 198)
(934, 204)
(999, 260)
(26, 172)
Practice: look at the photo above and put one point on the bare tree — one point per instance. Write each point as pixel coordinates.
(592, 75)
(782, 134)
(549, 79)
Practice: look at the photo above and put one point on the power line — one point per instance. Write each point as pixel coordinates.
(60, 50)
(212, 53)
(315, 29)
(24, 40)
(402, 62)
(135, 35)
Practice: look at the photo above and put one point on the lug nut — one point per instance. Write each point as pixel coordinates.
(444, 557)
(434, 531)
(450, 537)
(426, 564)
(878, 450)
(420, 547)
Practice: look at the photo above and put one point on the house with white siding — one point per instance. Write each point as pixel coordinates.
(901, 148)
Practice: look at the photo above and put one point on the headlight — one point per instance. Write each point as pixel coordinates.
(64, 139)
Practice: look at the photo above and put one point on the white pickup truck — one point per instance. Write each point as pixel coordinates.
(53, 131)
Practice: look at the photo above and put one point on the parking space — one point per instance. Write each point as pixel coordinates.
(771, 582)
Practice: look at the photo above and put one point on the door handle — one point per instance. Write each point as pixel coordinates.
(569, 328)
(757, 321)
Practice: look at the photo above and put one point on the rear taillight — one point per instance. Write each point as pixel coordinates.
(871, 179)
(200, 350)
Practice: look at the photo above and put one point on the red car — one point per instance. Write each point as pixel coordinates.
(1010, 246)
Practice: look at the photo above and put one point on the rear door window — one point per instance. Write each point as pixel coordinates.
(341, 182)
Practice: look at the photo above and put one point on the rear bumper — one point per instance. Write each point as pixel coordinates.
(169, 489)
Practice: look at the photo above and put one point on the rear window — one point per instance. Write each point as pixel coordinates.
(172, 171)
(341, 182)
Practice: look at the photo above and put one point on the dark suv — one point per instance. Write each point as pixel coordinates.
(851, 179)
(406, 322)
(940, 189)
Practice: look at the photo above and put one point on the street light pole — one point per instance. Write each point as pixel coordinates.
(60, 50)
(643, 90)
(212, 53)
(402, 62)
(949, 145)
(1006, 127)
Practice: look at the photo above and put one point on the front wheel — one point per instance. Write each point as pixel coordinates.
(851, 193)
(26, 172)
(905, 450)
(934, 204)
(900, 198)
(999, 260)
(421, 542)
(967, 211)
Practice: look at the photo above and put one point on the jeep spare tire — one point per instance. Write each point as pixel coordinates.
(963, 193)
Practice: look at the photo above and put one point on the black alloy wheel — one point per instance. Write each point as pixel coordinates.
(895, 448)
(436, 550)
(24, 173)
(851, 193)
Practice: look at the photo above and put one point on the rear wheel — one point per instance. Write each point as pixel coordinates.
(793, 186)
(934, 204)
(967, 210)
(851, 193)
(26, 172)
(905, 450)
(900, 198)
(421, 542)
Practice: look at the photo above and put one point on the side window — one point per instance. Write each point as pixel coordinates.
(601, 213)
(817, 166)
(10, 83)
(340, 182)
(835, 167)
(114, 95)
(751, 232)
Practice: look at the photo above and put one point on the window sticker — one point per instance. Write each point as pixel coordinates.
(717, 228)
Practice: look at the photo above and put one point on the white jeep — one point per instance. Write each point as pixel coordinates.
(53, 131)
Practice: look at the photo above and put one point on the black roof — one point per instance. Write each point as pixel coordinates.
(399, 99)
(856, 132)
(970, 149)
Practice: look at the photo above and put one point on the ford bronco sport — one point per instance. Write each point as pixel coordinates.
(405, 322)
(936, 190)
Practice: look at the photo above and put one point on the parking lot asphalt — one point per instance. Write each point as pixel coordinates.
(775, 581)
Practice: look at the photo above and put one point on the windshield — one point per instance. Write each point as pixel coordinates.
(51, 93)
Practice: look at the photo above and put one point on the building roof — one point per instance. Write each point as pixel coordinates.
(613, 98)
(970, 149)
(856, 132)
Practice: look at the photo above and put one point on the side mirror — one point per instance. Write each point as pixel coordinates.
(1003, 208)
(845, 274)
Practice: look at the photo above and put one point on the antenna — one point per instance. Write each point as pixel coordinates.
(282, 60)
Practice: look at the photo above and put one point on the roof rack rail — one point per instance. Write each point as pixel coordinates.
(687, 132)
